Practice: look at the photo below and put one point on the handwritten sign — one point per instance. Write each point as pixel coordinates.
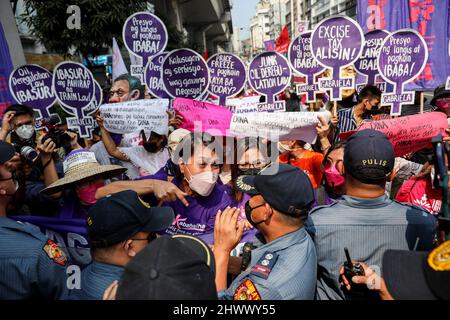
(145, 35)
(133, 116)
(304, 63)
(411, 133)
(74, 88)
(153, 76)
(201, 116)
(336, 42)
(278, 126)
(402, 58)
(269, 74)
(243, 105)
(185, 74)
(228, 76)
(31, 85)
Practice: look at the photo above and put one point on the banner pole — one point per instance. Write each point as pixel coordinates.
(422, 100)
(335, 108)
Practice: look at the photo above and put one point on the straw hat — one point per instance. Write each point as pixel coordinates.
(80, 165)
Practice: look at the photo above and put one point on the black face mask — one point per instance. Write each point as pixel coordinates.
(152, 147)
(248, 213)
(248, 171)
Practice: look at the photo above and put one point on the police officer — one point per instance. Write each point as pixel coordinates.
(31, 265)
(283, 266)
(119, 226)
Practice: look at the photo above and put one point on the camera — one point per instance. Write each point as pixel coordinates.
(59, 137)
(26, 151)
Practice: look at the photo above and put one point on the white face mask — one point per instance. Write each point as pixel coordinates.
(283, 148)
(203, 183)
(225, 176)
(25, 131)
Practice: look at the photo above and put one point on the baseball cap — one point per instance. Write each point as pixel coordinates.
(7, 151)
(414, 275)
(170, 268)
(369, 156)
(119, 216)
(285, 187)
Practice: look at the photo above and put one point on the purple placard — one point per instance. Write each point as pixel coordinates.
(145, 35)
(227, 76)
(269, 74)
(367, 63)
(74, 88)
(185, 74)
(303, 63)
(98, 100)
(31, 85)
(153, 78)
(336, 42)
(402, 58)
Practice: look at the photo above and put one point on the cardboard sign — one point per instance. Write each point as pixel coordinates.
(228, 76)
(74, 88)
(243, 105)
(408, 134)
(304, 63)
(278, 126)
(133, 116)
(201, 116)
(402, 57)
(153, 78)
(269, 74)
(336, 42)
(31, 85)
(185, 74)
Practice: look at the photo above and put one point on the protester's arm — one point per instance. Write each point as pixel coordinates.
(74, 145)
(323, 130)
(109, 142)
(163, 190)
(6, 124)
(227, 234)
(46, 153)
(175, 120)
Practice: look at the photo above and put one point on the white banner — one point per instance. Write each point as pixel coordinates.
(243, 105)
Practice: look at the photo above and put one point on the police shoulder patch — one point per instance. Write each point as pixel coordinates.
(265, 264)
(55, 253)
(246, 291)
(439, 258)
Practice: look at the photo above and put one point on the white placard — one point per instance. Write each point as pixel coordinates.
(243, 105)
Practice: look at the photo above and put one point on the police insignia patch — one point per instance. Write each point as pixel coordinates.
(264, 266)
(439, 258)
(246, 291)
(55, 253)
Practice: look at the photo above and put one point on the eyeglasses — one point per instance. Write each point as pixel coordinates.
(253, 165)
(152, 236)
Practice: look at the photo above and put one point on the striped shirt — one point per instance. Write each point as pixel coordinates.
(346, 122)
(367, 227)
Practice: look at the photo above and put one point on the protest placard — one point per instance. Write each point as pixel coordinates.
(98, 100)
(278, 126)
(227, 76)
(31, 85)
(153, 78)
(304, 63)
(243, 105)
(133, 116)
(336, 42)
(200, 116)
(408, 134)
(185, 74)
(402, 57)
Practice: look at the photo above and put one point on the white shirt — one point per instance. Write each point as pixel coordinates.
(141, 159)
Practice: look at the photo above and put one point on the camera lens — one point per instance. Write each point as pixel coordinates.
(28, 153)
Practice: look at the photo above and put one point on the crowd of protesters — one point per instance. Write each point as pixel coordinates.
(194, 216)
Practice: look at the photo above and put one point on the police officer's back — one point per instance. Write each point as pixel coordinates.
(284, 266)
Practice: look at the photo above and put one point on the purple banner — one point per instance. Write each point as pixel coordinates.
(153, 78)
(145, 35)
(185, 74)
(227, 76)
(32, 85)
(336, 42)
(6, 68)
(269, 74)
(429, 17)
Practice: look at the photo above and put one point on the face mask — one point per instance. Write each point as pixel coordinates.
(248, 171)
(203, 183)
(25, 132)
(87, 194)
(334, 178)
(283, 148)
(248, 214)
(443, 104)
(225, 177)
(151, 147)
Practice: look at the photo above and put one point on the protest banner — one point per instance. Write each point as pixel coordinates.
(402, 57)
(200, 116)
(31, 85)
(133, 116)
(227, 76)
(153, 78)
(269, 74)
(408, 134)
(278, 126)
(303, 63)
(185, 74)
(429, 17)
(243, 105)
(74, 88)
(145, 35)
(336, 42)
